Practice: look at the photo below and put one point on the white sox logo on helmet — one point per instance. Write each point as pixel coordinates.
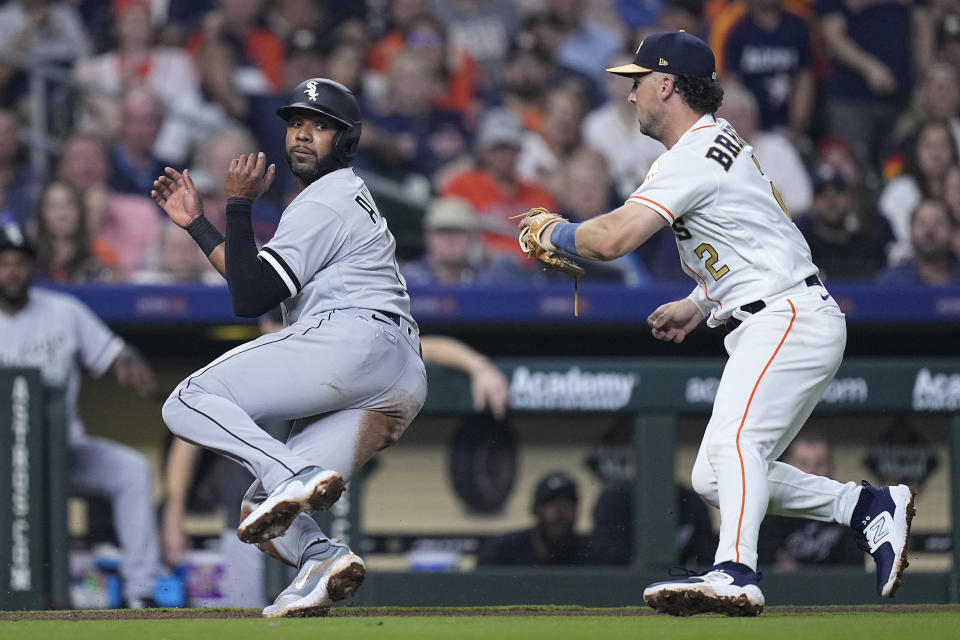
(311, 91)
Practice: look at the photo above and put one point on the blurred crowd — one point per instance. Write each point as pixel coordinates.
(474, 111)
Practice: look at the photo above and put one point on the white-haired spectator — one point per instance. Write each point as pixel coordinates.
(774, 151)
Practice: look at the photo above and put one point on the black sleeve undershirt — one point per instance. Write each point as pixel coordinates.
(255, 286)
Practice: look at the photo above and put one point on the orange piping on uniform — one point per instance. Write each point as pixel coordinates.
(706, 293)
(706, 126)
(654, 202)
(743, 472)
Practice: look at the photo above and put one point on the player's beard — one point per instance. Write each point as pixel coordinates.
(653, 127)
(14, 297)
(309, 175)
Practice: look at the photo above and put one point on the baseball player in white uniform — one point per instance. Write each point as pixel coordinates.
(58, 335)
(754, 277)
(347, 365)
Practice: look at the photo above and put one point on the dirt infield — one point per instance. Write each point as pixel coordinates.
(368, 612)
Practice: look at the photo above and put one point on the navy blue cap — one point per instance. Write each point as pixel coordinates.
(675, 52)
(11, 237)
(554, 485)
(828, 176)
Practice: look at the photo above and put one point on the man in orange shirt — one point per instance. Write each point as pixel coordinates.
(494, 189)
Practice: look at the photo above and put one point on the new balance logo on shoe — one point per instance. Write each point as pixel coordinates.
(878, 530)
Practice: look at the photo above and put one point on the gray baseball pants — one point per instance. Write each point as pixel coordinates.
(351, 379)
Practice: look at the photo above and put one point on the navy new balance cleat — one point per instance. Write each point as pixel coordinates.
(730, 588)
(882, 517)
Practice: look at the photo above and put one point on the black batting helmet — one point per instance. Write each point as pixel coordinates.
(11, 237)
(333, 100)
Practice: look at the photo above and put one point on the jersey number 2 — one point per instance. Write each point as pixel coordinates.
(706, 249)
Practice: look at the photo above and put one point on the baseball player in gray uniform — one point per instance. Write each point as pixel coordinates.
(754, 276)
(57, 334)
(346, 367)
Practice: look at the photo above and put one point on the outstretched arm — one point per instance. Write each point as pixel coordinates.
(181, 460)
(611, 235)
(487, 384)
(131, 370)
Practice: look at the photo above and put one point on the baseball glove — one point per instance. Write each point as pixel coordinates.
(531, 242)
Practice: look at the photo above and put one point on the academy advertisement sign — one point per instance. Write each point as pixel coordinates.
(572, 389)
(840, 391)
(936, 391)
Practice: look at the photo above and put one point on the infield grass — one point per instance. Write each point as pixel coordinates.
(929, 624)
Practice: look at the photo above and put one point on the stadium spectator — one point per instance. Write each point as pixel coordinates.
(936, 97)
(931, 152)
(875, 48)
(401, 16)
(558, 137)
(134, 164)
(20, 184)
(238, 59)
(57, 334)
(138, 62)
(951, 198)
(552, 540)
(286, 17)
(40, 32)
(772, 148)
(410, 135)
(931, 238)
(790, 543)
(767, 50)
(128, 224)
(524, 79)
(612, 129)
(483, 29)
(840, 246)
(210, 173)
(586, 191)
(495, 190)
(453, 254)
(453, 65)
(583, 45)
(175, 259)
(66, 251)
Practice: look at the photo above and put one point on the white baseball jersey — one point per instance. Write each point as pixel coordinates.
(57, 334)
(333, 250)
(734, 235)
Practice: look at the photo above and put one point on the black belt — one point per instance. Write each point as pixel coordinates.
(759, 305)
(395, 318)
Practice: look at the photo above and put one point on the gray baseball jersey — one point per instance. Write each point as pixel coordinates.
(346, 368)
(57, 334)
(333, 250)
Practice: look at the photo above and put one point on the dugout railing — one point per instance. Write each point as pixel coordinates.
(659, 392)
(654, 392)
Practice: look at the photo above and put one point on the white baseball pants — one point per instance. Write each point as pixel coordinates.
(781, 360)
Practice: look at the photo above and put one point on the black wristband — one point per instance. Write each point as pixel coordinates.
(207, 236)
(239, 206)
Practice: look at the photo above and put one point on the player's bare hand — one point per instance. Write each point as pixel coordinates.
(490, 389)
(176, 194)
(249, 176)
(672, 321)
(133, 371)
